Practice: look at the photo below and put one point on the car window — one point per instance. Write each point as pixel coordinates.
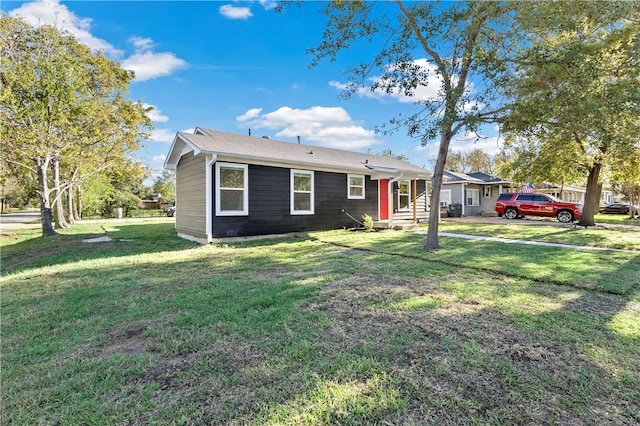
(503, 197)
(525, 197)
(540, 198)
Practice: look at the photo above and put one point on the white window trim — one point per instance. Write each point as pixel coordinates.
(349, 186)
(469, 192)
(447, 201)
(245, 191)
(292, 192)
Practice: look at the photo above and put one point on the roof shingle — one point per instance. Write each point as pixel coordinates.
(232, 145)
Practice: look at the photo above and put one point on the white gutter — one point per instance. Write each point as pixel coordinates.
(390, 198)
(209, 161)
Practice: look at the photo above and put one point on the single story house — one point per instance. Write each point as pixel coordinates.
(575, 194)
(477, 193)
(230, 185)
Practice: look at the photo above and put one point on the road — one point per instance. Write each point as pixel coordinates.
(19, 220)
(26, 217)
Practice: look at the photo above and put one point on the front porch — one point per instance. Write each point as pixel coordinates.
(403, 220)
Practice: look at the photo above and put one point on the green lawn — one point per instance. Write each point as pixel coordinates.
(336, 327)
(601, 218)
(626, 238)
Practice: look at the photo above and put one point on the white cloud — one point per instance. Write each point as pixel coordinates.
(141, 43)
(249, 115)
(428, 91)
(233, 12)
(162, 135)
(51, 12)
(467, 143)
(326, 126)
(463, 143)
(155, 114)
(268, 4)
(146, 64)
(158, 159)
(149, 65)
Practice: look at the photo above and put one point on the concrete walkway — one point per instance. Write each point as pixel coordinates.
(525, 242)
(536, 221)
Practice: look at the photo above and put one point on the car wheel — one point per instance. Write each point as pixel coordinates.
(565, 216)
(511, 213)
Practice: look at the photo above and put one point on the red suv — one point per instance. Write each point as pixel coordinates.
(519, 204)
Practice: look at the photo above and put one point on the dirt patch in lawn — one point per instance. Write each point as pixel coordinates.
(126, 340)
(473, 356)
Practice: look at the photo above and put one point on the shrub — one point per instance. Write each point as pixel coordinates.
(367, 221)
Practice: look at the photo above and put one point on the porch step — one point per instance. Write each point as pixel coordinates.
(398, 225)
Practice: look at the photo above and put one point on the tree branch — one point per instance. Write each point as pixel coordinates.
(17, 163)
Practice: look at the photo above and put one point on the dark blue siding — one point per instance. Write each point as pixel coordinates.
(269, 205)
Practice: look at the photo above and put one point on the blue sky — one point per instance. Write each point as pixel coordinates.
(235, 65)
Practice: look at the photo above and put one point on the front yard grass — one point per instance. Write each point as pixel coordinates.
(331, 328)
(627, 238)
(615, 218)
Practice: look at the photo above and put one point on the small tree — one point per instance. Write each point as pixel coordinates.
(460, 43)
(165, 185)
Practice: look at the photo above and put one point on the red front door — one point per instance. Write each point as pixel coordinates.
(383, 199)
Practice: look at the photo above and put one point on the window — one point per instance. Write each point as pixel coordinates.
(355, 187)
(445, 197)
(525, 197)
(473, 197)
(404, 195)
(232, 193)
(301, 192)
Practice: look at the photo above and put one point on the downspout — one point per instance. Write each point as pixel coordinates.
(390, 201)
(464, 198)
(209, 161)
(414, 197)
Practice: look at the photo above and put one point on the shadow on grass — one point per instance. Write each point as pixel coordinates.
(612, 272)
(302, 332)
(127, 239)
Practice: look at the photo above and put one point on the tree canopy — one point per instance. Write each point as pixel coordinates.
(63, 107)
(456, 49)
(576, 93)
(561, 78)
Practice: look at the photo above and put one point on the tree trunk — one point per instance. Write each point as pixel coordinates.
(78, 210)
(71, 217)
(58, 211)
(70, 205)
(592, 197)
(43, 193)
(434, 214)
(596, 204)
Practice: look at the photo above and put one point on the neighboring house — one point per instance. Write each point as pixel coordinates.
(231, 185)
(574, 194)
(475, 192)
